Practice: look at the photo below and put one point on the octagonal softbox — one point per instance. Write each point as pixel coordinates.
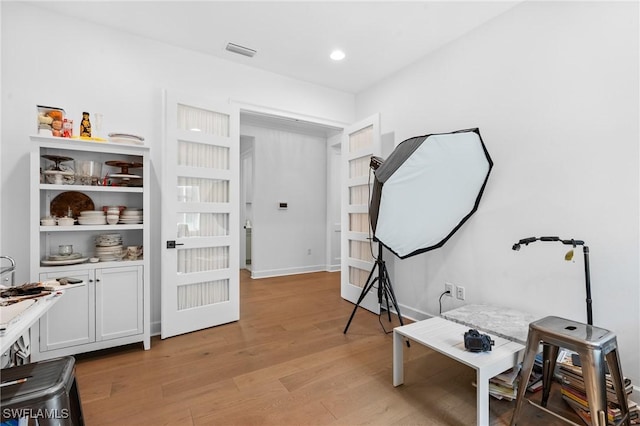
(427, 188)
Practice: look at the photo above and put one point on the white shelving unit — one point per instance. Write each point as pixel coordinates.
(113, 307)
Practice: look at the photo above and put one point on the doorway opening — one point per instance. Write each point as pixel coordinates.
(290, 195)
(246, 199)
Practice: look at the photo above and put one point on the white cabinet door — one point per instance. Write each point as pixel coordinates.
(119, 301)
(71, 321)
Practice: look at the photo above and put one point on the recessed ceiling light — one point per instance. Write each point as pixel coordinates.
(337, 55)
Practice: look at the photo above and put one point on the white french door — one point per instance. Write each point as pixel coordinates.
(200, 215)
(360, 141)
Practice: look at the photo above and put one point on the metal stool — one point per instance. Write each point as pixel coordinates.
(594, 345)
(43, 393)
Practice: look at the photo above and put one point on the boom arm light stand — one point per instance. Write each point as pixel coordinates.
(569, 256)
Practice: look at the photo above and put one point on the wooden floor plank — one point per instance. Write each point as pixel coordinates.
(286, 362)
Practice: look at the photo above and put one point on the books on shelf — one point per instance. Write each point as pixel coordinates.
(505, 385)
(535, 378)
(499, 391)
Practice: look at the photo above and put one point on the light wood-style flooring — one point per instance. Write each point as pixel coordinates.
(286, 362)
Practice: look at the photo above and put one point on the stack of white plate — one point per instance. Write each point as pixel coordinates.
(92, 217)
(109, 247)
(131, 216)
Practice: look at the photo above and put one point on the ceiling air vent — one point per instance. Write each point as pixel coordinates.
(241, 50)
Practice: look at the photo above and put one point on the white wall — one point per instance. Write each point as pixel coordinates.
(553, 87)
(1, 186)
(292, 168)
(54, 60)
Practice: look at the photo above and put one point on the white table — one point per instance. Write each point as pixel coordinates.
(447, 337)
(26, 319)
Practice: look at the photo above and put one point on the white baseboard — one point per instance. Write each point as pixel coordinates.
(411, 313)
(287, 271)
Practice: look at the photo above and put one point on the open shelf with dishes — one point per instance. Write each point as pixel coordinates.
(90, 217)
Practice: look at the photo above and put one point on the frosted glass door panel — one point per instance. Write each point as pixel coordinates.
(359, 195)
(358, 277)
(202, 120)
(202, 294)
(359, 222)
(199, 190)
(202, 225)
(359, 167)
(362, 250)
(195, 154)
(362, 139)
(202, 259)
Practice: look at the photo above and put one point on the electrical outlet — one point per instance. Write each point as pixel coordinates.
(460, 292)
(448, 287)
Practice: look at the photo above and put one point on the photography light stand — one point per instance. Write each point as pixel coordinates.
(568, 256)
(384, 288)
(424, 191)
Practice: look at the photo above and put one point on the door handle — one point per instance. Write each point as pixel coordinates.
(171, 244)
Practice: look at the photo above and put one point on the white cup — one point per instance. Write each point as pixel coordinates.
(112, 219)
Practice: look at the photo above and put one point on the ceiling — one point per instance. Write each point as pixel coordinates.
(296, 38)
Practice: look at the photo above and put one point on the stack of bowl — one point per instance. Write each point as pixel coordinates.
(113, 215)
(131, 215)
(109, 247)
(92, 217)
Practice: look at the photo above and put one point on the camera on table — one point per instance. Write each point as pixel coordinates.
(476, 342)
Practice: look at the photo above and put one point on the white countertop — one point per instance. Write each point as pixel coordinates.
(504, 322)
(17, 318)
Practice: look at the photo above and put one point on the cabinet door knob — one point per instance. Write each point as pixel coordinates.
(97, 280)
(90, 281)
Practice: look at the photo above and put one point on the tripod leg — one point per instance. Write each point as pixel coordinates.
(368, 285)
(389, 290)
(382, 288)
(386, 298)
(393, 296)
(382, 291)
